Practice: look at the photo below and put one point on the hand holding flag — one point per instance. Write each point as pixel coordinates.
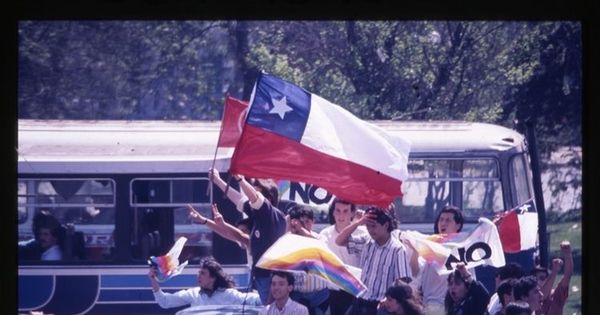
(234, 115)
(478, 246)
(168, 266)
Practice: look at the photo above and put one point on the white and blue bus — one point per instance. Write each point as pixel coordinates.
(124, 186)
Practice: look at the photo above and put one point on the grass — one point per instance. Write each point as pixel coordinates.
(568, 227)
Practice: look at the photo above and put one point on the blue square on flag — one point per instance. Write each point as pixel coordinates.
(279, 107)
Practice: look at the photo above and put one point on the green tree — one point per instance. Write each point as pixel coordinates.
(122, 69)
(498, 71)
(546, 82)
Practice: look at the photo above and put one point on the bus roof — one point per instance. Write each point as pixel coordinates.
(61, 146)
(453, 136)
(85, 146)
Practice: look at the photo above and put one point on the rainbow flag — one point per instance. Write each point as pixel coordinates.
(283, 186)
(168, 266)
(438, 248)
(298, 253)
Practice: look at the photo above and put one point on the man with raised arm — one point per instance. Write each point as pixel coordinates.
(259, 202)
(215, 287)
(383, 259)
(555, 299)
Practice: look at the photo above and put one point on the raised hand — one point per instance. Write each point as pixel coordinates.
(213, 174)
(565, 247)
(152, 273)
(556, 264)
(217, 217)
(195, 215)
(358, 214)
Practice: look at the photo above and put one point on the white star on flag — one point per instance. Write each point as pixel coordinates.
(524, 208)
(280, 107)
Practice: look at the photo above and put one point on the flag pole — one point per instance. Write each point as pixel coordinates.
(209, 187)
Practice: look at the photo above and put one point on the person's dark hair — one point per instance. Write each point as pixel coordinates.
(391, 210)
(537, 269)
(247, 222)
(283, 274)
(268, 188)
(382, 216)
(510, 270)
(60, 232)
(284, 205)
(222, 279)
(523, 286)
(458, 217)
(298, 211)
(332, 208)
(505, 287)
(448, 301)
(405, 296)
(43, 219)
(517, 308)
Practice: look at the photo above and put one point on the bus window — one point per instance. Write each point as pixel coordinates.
(199, 237)
(482, 190)
(471, 184)
(86, 206)
(21, 201)
(161, 216)
(518, 171)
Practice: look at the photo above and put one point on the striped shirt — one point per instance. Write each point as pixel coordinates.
(291, 307)
(381, 266)
(306, 283)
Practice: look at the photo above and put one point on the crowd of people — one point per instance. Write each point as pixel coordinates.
(397, 279)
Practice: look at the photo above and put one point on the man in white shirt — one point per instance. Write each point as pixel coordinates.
(215, 287)
(282, 284)
(49, 237)
(341, 214)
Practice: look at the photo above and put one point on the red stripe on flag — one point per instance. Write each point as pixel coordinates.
(234, 116)
(267, 155)
(510, 232)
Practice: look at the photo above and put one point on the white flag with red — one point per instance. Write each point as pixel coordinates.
(518, 228)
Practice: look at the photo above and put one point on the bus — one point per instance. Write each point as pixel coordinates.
(122, 188)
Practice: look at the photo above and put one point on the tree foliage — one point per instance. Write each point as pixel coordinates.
(490, 71)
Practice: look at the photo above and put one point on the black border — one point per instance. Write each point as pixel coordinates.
(579, 10)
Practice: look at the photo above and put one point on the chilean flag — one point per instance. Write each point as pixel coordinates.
(234, 116)
(291, 134)
(518, 228)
